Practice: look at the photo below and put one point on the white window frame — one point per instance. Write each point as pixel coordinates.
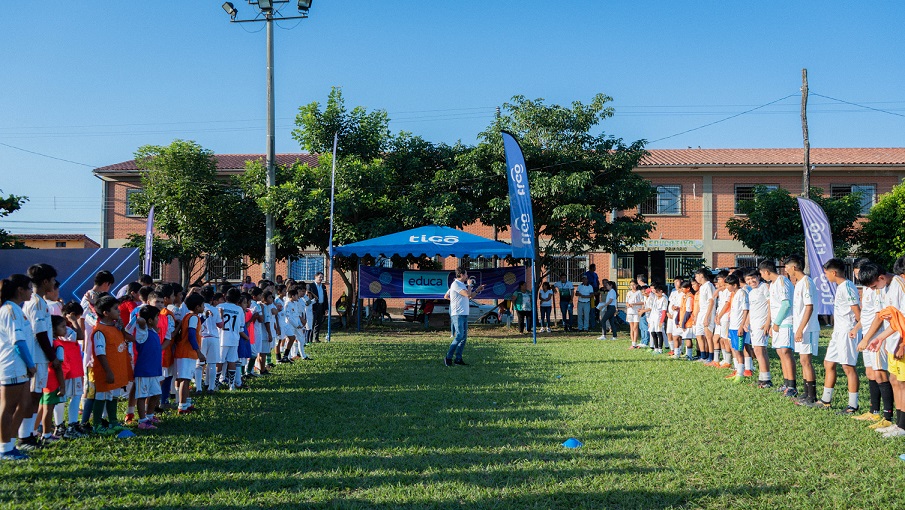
(664, 201)
(867, 201)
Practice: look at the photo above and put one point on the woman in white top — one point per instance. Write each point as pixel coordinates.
(607, 309)
(545, 296)
(634, 300)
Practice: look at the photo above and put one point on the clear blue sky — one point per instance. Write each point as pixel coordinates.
(92, 82)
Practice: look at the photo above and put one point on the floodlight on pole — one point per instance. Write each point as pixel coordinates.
(265, 5)
(304, 5)
(230, 9)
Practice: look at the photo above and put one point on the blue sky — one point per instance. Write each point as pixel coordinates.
(91, 84)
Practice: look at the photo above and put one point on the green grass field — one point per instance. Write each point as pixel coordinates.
(376, 421)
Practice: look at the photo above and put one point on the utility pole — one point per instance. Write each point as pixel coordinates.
(806, 177)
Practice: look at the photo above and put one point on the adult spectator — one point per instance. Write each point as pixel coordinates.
(459, 295)
(247, 285)
(584, 292)
(521, 301)
(566, 297)
(322, 307)
(594, 282)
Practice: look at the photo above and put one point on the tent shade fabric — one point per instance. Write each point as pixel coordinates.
(429, 241)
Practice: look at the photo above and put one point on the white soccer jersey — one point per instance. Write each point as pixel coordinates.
(895, 297)
(759, 305)
(805, 294)
(233, 317)
(737, 308)
(209, 326)
(781, 289)
(657, 306)
(705, 297)
(844, 318)
(675, 300)
(39, 316)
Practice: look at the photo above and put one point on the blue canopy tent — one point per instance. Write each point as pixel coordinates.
(429, 241)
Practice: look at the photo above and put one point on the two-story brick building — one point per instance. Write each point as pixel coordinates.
(698, 190)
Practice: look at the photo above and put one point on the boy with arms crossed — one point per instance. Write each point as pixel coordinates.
(804, 324)
(780, 321)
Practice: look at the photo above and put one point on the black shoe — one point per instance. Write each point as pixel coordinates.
(460, 362)
(448, 362)
(765, 384)
(28, 444)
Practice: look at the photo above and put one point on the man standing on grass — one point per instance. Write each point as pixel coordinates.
(459, 295)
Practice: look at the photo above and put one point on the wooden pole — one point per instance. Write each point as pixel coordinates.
(806, 177)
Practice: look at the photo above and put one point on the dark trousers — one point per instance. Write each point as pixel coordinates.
(319, 311)
(608, 316)
(524, 320)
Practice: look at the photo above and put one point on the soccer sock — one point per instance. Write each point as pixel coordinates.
(198, 384)
(130, 409)
(237, 378)
(827, 394)
(739, 369)
(727, 357)
(98, 411)
(87, 409)
(230, 377)
(302, 350)
(853, 399)
(810, 388)
(212, 377)
(9, 446)
(887, 399)
(59, 414)
(165, 387)
(792, 383)
(874, 389)
(27, 428)
(74, 409)
(111, 412)
(900, 419)
(748, 363)
(764, 376)
(716, 354)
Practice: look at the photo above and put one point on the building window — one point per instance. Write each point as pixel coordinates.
(303, 269)
(668, 200)
(745, 192)
(748, 261)
(130, 197)
(572, 267)
(220, 269)
(868, 194)
(61, 244)
(478, 262)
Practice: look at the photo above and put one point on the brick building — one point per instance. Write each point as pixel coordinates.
(698, 190)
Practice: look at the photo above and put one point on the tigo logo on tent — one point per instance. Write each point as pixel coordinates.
(438, 240)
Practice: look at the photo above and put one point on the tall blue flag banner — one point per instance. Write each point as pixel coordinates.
(818, 240)
(149, 241)
(381, 282)
(521, 223)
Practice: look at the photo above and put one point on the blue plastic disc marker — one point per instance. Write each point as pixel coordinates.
(573, 443)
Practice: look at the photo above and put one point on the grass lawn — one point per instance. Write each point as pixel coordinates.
(376, 421)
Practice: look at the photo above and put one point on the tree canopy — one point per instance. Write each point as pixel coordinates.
(771, 226)
(882, 236)
(9, 205)
(196, 212)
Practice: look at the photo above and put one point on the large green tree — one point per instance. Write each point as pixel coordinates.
(577, 178)
(196, 212)
(882, 236)
(9, 205)
(383, 182)
(771, 224)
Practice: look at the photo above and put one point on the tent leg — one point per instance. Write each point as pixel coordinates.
(360, 302)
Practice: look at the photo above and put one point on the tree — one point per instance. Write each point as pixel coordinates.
(198, 213)
(383, 183)
(771, 226)
(882, 236)
(9, 205)
(576, 178)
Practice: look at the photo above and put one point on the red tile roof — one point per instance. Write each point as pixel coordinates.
(657, 158)
(57, 237)
(225, 162)
(774, 157)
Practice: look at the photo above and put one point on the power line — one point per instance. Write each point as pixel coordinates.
(722, 120)
(47, 155)
(859, 105)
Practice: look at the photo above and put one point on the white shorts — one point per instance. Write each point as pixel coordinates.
(670, 326)
(255, 347)
(147, 387)
(169, 371)
(810, 343)
(782, 339)
(108, 395)
(74, 387)
(39, 380)
(688, 333)
(843, 349)
(185, 368)
(876, 360)
(229, 354)
(210, 347)
(301, 335)
(758, 338)
(724, 327)
(631, 318)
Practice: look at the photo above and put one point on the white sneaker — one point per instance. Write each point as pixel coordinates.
(884, 430)
(601, 337)
(895, 432)
(549, 330)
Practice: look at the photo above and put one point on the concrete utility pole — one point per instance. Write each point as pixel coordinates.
(806, 177)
